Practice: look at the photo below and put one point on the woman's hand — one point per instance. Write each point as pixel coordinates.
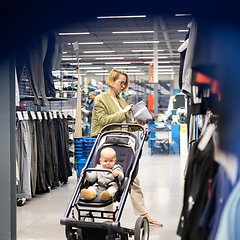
(145, 123)
(127, 108)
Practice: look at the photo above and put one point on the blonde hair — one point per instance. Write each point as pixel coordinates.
(107, 151)
(114, 75)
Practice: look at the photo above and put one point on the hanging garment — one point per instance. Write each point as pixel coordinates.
(220, 192)
(33, 136)
(54, 154)
(201, 169)
(23, 152)
(66, 144)
(63, 176)
(229, 223)
(41, 182)
(47, 66)
(32, 57)
(47, 152)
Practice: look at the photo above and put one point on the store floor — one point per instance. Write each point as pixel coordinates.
(161, 179)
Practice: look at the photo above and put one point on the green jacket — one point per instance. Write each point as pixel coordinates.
(106, 111)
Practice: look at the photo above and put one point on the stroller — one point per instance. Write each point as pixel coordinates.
(88, 220)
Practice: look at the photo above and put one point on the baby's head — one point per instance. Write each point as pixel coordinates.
(108, 157)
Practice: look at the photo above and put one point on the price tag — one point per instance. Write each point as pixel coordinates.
(33, 115)
(54, 114)
(50, 115)
(45, 115)
(19, 115)
(39, 115)
(25, 115)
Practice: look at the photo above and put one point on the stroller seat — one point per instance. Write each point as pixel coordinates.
(124, 147)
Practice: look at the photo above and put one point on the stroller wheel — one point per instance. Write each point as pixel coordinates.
(141, 230)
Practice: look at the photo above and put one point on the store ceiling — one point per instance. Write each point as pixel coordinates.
(104, 35)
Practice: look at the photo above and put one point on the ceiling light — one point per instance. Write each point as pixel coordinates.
(118, 63)
(146, 50)
(143, 42)
(181, 41)
(150, 57)
(102, 74)
(122, 67)
(135, 70)
(182, 14)
(81, 63)
(97, 71)
(109, 58)
(183, 30)
(78, 33)
(159, 62)
(64, 52)
(163, 70)
(164, 73)
(134, 16)
(98, 51)
(90, 68)
(88, 43)
(136, 73)
(133, 32)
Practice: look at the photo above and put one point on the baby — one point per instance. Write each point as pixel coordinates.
(105, 186)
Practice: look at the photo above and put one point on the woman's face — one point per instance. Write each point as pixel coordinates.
(119, 84)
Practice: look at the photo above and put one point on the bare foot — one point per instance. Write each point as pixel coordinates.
(152, 221)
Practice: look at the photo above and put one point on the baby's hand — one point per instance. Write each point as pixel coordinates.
(115, 173)
(83, 174)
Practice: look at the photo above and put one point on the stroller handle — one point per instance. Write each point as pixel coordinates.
(97, 170)
(123, 125)
(102, 170)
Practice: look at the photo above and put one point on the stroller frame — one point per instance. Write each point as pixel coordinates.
(109, 229)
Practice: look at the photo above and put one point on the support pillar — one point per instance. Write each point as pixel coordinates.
(7, 150)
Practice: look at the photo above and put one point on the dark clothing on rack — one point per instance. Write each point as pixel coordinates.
(32, 57)
(47, 150)
(63, 176)
(33, 136)
(66, 144)
(201, 168)
(54, 154)
(47, 66)
(41, 182)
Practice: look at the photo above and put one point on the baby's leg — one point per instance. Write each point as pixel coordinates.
(105, 195)
(89, 193)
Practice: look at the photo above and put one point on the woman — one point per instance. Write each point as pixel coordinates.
(108, 108)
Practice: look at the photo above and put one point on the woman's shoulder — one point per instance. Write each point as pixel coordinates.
(102, 95)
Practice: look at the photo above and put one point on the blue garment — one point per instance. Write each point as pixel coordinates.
(229, 223)
(220, 192)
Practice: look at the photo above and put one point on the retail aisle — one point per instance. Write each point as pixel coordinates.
(161, 179)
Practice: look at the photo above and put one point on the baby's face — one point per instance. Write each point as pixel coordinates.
(107, 161)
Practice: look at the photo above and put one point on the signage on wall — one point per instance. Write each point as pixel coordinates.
(151, 72)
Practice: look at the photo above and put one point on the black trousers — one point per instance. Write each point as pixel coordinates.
(41, 183)
(47, 66)
(63, 176)
(54, 154)
(47, 150)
